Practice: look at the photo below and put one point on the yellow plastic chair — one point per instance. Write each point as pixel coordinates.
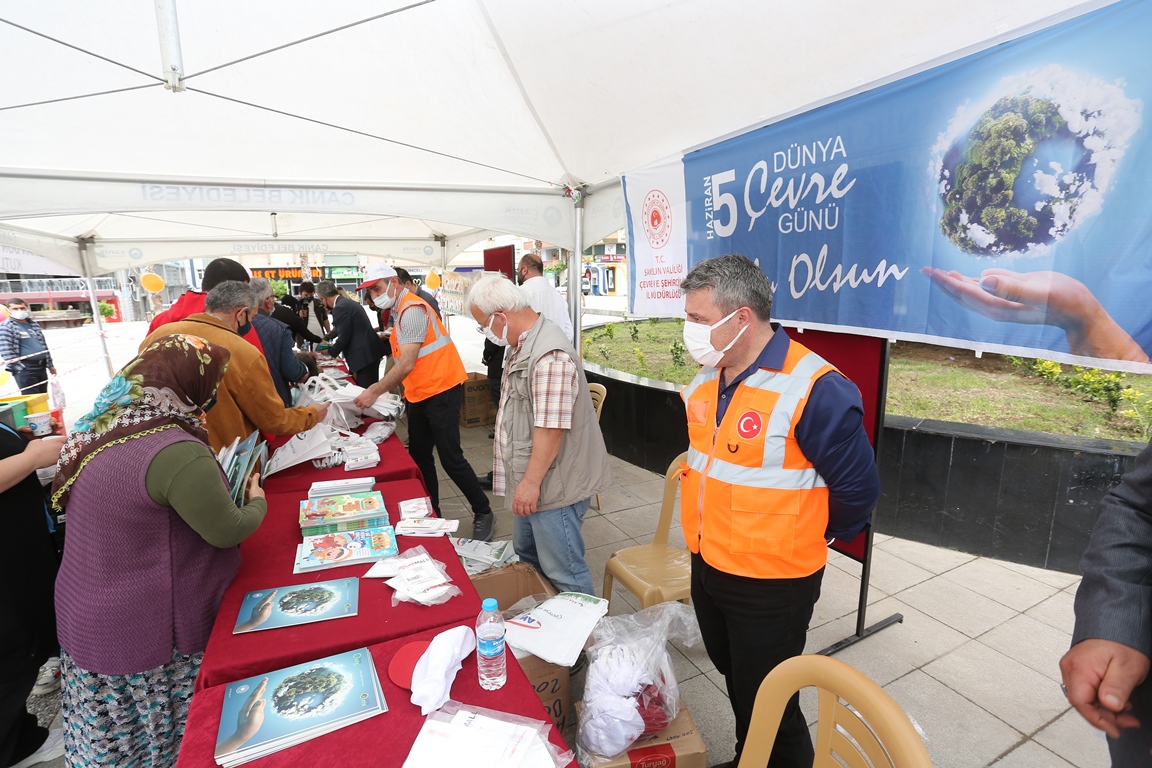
(598, 393)
(656, 572)
(859, 724)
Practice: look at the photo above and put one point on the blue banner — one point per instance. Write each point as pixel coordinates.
(997, 202)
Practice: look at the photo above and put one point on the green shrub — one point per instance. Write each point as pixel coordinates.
(679, 353)
(106, 309)
(634, 331)
(640, 359)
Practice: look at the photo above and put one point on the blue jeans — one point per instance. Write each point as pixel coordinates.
(550, 541)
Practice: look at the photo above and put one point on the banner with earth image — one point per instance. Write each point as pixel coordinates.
(999, 202)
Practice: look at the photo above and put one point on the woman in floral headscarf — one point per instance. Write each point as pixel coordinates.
(152, 545)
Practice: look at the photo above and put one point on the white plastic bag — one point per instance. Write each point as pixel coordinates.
(631, 689)
(55, 392)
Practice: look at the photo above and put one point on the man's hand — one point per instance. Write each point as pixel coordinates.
(52, 370)
(321, 410)
(1100, 675)
(366, 398)
(525, 498)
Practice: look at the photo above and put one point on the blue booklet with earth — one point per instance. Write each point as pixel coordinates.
(298, 604)
(268, 713)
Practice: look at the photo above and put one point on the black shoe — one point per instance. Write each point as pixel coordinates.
(485, 481)
(482, 526)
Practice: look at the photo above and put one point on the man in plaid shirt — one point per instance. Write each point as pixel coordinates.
(549, 456)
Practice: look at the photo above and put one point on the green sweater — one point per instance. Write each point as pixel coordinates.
(186, 477)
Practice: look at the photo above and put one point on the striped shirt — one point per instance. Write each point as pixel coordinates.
(554, 389)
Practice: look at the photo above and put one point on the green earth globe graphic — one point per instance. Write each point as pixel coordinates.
(1014, 182)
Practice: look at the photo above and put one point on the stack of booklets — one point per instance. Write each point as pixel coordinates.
(343, 512)
(298, 604)
(322, 488)
(300, 703)
(239, 460)
(478, 556)
(341, 530)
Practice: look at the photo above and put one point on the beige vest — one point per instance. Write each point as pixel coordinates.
(581, 468)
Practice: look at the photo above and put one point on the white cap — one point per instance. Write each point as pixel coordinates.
(376, 271)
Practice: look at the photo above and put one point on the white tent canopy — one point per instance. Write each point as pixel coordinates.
(428, 127)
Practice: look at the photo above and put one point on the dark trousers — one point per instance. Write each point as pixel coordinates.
(368, 375)
(749, 626)
(1133, 746)
(435, 422)
(32, 380)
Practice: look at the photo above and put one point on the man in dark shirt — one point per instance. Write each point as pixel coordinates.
(22, 337)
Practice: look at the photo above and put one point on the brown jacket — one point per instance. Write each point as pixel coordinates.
(246, 399)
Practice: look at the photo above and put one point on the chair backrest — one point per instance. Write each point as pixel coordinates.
(668, 503)
(597, 392)
(857, 718)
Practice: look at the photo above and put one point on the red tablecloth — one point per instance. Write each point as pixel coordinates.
(395, 464)
(268, 557)
(384, 740)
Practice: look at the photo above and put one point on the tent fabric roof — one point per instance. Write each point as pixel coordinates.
(436, 119)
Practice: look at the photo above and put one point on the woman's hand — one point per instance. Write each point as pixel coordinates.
(254, 490)
(44, 452)
(248, 722)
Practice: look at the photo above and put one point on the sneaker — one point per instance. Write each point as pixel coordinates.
(52, 748)
(485, 481)
(49, 679)
(482, 526)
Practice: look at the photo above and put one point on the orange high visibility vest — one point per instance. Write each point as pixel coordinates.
(751, 503)
(438, 365)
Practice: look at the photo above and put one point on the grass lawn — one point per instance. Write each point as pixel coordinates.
(924, 381)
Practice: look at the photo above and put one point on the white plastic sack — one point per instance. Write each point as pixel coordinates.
(557, 629)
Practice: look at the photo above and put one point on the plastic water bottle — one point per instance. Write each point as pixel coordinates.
(490, 646)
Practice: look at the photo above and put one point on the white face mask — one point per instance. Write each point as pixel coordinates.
(698, 340)
(502, 339)
(19, 314)
(384, 301)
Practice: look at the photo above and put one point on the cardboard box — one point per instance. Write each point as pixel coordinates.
(508, 585)
(476, 409)
(677, 746)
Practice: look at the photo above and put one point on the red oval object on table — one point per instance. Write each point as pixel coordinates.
(402, 664)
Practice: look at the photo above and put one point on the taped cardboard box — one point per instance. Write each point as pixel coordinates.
(508, 585)
(677, 746)
(476, 407)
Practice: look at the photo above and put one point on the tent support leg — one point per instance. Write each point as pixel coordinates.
(86, 263)
(575, 262)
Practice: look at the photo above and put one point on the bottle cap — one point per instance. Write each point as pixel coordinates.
(489, 604)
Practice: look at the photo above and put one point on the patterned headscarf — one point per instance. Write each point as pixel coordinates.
(165, 387)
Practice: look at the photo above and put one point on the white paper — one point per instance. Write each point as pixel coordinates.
(445, 744)
(525, 745)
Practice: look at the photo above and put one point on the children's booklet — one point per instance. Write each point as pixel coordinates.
(248, 456)
(333, 550)
(342, 508)
(298, 604)
(299, 703)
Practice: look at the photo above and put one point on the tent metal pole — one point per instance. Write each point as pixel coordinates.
(171, 57)
(86, 265)
(575, 265)
(443, 271)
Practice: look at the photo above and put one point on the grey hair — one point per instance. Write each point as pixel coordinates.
(735, 282)
(326, 289)
(496, 293)
(261, 289)
(229, 296)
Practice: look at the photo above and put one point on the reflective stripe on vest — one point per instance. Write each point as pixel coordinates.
(753, 504)
(438, 365)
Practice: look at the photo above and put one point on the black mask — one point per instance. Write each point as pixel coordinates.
(247, 326)
(208, 405)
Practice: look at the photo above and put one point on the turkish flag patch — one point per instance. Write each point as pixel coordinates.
(749, 425)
